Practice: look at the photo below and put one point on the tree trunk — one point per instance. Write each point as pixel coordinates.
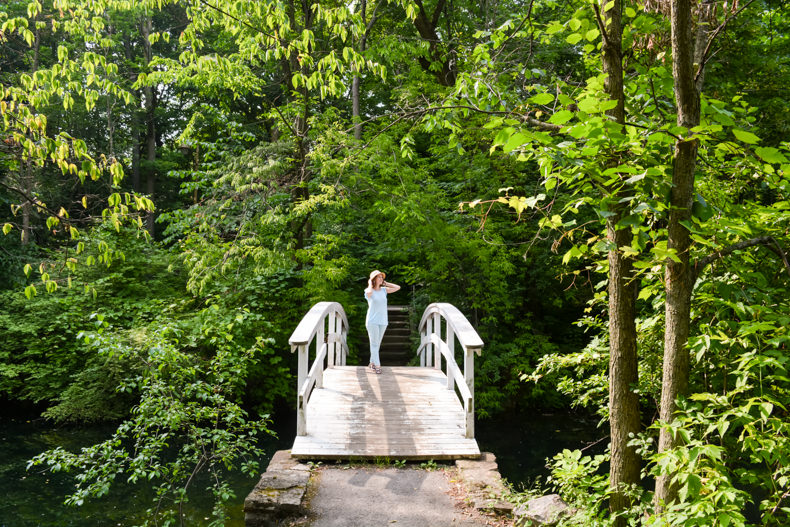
(624, 468)
(26, 166)
(355, 117)
(426, 27)
(150, 134)
(302, 228)
(678, 274)
(135, 118)
(26, 178)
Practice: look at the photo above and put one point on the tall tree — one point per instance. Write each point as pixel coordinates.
(624, 420)
(688, 69)
(150, 118)
(363, 44)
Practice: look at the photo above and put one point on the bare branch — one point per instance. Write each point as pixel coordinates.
(705, 57)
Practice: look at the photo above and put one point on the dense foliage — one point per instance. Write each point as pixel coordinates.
(182, 180)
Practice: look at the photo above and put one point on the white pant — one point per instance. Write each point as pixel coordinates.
(375, 334)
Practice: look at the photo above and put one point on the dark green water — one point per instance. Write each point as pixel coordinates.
(521, 443)
(36, 498)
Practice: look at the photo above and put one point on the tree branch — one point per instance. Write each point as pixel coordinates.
(549, 127)
(704, 61)
(240, 21)
(601, 25)
(769, 242)
(37, 203)
(512, 34)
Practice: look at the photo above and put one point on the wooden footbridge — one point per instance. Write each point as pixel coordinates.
(419, 412)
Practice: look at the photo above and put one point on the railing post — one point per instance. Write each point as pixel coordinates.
(320, 340)
(451, 352)
(344, 339)
(301, 376)
(331, 340)
(437, 330)
(337, 345)
(469, 377)
(428, 350)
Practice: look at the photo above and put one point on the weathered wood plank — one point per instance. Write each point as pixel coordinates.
(404, 413)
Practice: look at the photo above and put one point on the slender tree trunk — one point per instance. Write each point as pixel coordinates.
(679, 275)
(150, 135)
(134, 117)
(110, 106)
(26, 179)
(355, 117)
(299, 190)
(26, 166)
(624, 468)
(363, 45)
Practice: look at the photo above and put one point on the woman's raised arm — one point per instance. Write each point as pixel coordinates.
(391, 288)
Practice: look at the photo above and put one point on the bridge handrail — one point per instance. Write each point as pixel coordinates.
(456, 325)
(327, 325)
(467, 336)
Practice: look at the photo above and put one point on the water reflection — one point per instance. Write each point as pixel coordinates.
(35, 498)
(523, 441)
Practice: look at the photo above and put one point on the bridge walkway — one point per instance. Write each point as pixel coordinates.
(403, 413)
(406, 412)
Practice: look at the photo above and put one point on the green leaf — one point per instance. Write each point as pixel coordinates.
(694, 485)
(7, 228)
(573, 38)
(770, 155)
(744, 136)
(588, 105)
(554, 27)
(542, 98)
(561, 117)
(592, 34)
(30, 291)
(515, 141)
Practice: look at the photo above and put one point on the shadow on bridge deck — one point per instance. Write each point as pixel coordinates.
(404, 413)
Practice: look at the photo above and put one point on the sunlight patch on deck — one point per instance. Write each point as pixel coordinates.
(404, 413)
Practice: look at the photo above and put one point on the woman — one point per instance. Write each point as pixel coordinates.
(376, 321)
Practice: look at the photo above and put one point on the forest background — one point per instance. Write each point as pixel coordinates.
(602, 187)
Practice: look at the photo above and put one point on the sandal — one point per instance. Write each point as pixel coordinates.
(378, 369)
(372, 366)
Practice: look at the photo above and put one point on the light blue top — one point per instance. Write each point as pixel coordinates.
(377, 307)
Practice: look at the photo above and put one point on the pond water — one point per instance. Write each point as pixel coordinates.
(36, 498)
(521, 443)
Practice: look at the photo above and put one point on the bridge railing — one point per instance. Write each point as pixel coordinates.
(433, 347)
(325, 325)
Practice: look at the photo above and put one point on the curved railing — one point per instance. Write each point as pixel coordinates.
(433, 348)
(326, 325)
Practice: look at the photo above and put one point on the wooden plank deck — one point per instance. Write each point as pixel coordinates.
(404, 413)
